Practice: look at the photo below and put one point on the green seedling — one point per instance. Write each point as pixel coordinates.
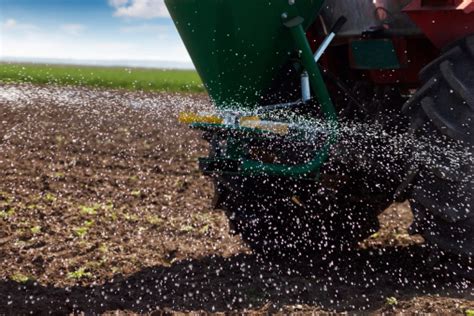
(204, 229)
(375, 235)
(89, 223)
(35, 229)
(115, 270)
(94, 264)
(81, 231)
(178, 183)
(201, 217)
(155, 220)
(469, 312)
(90, 210)
(113, 216)
(50, 197)
(8, 213)
(19, 277)
(79, 274)
(186, 228)
(136, 193)
(3, 194)
(59, 175)
(392, 301)
(103, 248)
(131, 217)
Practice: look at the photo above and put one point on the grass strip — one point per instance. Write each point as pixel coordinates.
(103, 77)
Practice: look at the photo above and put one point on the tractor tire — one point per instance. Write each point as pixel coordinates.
(442, 116)
(274, 222)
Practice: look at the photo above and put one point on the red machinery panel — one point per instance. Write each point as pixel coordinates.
(443, 21)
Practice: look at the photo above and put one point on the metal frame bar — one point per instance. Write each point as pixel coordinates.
(307, 59)
(321, 92)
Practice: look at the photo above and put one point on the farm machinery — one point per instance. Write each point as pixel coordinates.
(287, 77)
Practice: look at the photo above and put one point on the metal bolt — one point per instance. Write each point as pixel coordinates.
(291, 2)
(284, 15)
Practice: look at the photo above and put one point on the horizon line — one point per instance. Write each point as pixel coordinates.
(135, 63)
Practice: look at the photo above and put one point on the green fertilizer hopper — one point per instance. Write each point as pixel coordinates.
(238, 46)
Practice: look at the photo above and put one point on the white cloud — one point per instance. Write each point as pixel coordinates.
(73, 29)
(145, 9)
(12, 24)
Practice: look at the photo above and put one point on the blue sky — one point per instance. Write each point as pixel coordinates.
(89, 29)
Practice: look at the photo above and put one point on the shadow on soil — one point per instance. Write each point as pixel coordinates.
(361, 280)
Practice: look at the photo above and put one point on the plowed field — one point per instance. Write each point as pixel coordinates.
(103, 209)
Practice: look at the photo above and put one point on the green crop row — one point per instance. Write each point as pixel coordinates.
(103, 77)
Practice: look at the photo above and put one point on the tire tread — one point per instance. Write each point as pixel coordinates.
(442, 205)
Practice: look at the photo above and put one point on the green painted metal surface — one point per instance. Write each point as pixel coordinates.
(374, 54)
(238, 46)
(311, 168)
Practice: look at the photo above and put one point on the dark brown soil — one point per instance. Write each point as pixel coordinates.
(103, 209)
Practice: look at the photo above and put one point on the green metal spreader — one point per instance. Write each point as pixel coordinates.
(238, 47)
(275, 122)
